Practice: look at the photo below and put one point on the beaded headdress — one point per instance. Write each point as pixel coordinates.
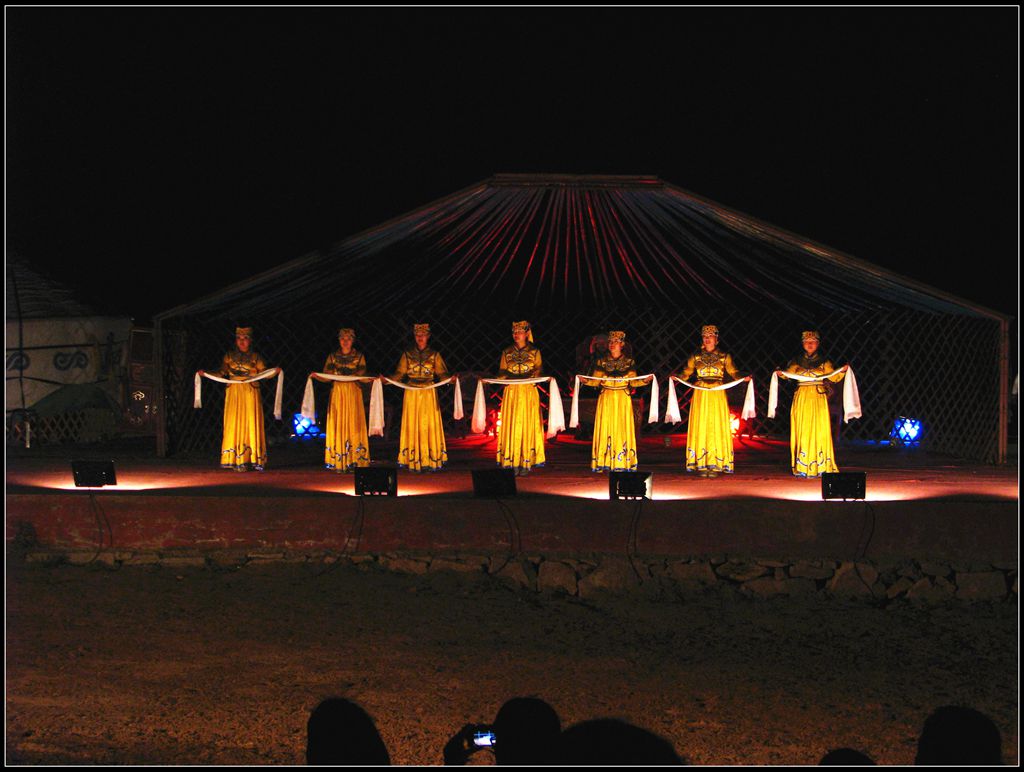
(811, 335)
(523, 326)
(616, 336)
(421, 328)
(243, 332)
(347, 332)
(709, 329)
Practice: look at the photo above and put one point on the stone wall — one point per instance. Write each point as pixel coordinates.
(655, 577)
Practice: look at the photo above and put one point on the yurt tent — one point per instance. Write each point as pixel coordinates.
(65, 362)
(578, 255)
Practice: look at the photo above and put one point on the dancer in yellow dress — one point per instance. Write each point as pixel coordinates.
(709, 434)
(348, 444)
(244, 442)
(521, 436)
(422, 446)
(614, 447)
(810, 427)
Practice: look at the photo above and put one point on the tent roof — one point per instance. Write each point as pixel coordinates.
(527, 241)
(33, 296)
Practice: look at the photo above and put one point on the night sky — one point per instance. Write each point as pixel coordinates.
(157, 155)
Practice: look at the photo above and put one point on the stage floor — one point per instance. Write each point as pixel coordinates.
(762, 472)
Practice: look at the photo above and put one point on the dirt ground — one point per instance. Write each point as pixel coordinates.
(187, 666)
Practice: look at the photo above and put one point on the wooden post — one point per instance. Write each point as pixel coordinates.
(161, 408)
(1004, 388)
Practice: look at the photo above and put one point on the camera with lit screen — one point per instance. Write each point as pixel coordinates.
(484, 737)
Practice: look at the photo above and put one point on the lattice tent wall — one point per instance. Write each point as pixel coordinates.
(577, 256)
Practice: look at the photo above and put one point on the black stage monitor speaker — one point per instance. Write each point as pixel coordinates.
(844, 485)
(630, 485)
(93, 474)
(376, 481)
(494, 483)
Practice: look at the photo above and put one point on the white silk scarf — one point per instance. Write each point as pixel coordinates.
(556, 412)
(672, 409)
(198, 399)
(652, 414)
(851, 395)
(457, 408)
(376, 427)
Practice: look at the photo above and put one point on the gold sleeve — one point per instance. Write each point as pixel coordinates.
(401, 369)
(691, 367)
(225, 367)
(440, 369)
(360, 366)
(503, 366)
(536, 365)
(329, 365)
(731, 368)
(597, 373)
(830, 371)
(260, 365)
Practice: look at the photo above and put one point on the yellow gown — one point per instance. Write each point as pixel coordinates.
(810, 428)
(244, 442)
(614, 447)
(347, 444)
(521, 435)
(709, 434)
(422, 446)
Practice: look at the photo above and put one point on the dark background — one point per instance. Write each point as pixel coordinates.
(156, 155)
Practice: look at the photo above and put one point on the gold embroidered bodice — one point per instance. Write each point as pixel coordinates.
(353, 363)
(710, 368)
(814, 367)
(238, 366)
(610, 367)
(522, 362)
(419, 368)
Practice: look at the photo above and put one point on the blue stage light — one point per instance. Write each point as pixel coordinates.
(304, 428)
(906, 431)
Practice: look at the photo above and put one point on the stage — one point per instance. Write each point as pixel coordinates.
(917, 505)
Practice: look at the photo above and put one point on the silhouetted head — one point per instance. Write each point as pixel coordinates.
(955, 735)
(609, 741)
(341, 732)
(527, 730)
(846, 757)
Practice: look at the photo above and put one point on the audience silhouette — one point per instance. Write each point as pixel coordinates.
(340, 732)
(846, 757)
(957, 735)
(609, 741)
(526, 731)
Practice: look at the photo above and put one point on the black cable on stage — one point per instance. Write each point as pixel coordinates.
(515, 542)
(357, 523)
(868, 527)
(101, 518)
(632, 538)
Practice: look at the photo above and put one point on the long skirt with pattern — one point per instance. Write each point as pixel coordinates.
(810, 434)
(244, 441)
(614, 433)
(709, 439)
(422, 446)
(347, 444)
(521, 436)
